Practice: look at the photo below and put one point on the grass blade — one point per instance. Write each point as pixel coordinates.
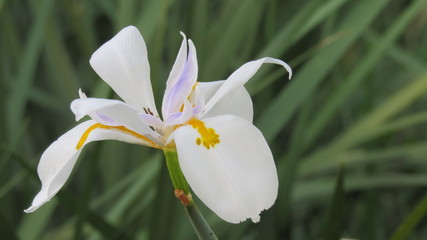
(334, 222)
(411, 221)
(307, 79)
(19, 91)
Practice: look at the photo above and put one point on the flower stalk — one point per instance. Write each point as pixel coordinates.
(202, 228)
(178, 179)
(182, 192)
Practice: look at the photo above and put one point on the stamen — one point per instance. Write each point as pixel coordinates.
(121, 128)
(148, 111)
(208, 136)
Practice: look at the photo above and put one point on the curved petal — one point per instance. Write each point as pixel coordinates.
(235, 177)
(113, 113)
(180, 83)
(237, 102)
(99, 117)
(179, 64)
(123, 64)
(58, 160)
(240, 77)
(180, 117)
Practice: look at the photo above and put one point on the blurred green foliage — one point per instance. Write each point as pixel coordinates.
(357, 99)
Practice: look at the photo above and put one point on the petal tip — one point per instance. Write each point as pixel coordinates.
(191, 45)
(30, 209)
(37, 203)
(279, 62)
(130, 28)
(82, 95)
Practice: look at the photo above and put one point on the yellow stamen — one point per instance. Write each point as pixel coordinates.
(208, 136)
(121, 128)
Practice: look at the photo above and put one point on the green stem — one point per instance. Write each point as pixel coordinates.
(182, 192)
(178, 179)
(202, 228)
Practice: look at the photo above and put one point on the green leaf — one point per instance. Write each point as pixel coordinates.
(358, 132)
(360, 71)
(411, 221)
(21, 88)
(310, 75)
(33, 224)
(334, 223)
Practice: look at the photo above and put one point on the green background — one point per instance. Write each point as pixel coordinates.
(357, 102)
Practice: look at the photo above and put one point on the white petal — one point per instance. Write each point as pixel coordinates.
(94, 115)
(113, 113)
(179, 64)
(59, 158)
(181, 81)
(239, 77)
(237, 102)
(123, 64)
(151, 120)
(236, 178)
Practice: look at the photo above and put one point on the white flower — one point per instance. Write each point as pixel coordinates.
(223, 156)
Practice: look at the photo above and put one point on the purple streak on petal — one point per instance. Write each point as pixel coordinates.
(183, 86)
(180, 117)
(177, 118)
(197, 110)
(104, 119)
(174, 116)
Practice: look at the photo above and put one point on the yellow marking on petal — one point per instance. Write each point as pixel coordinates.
(194, 86)
(121, 128)
(208, 136)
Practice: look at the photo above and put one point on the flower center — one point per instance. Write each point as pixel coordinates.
(208, 136)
